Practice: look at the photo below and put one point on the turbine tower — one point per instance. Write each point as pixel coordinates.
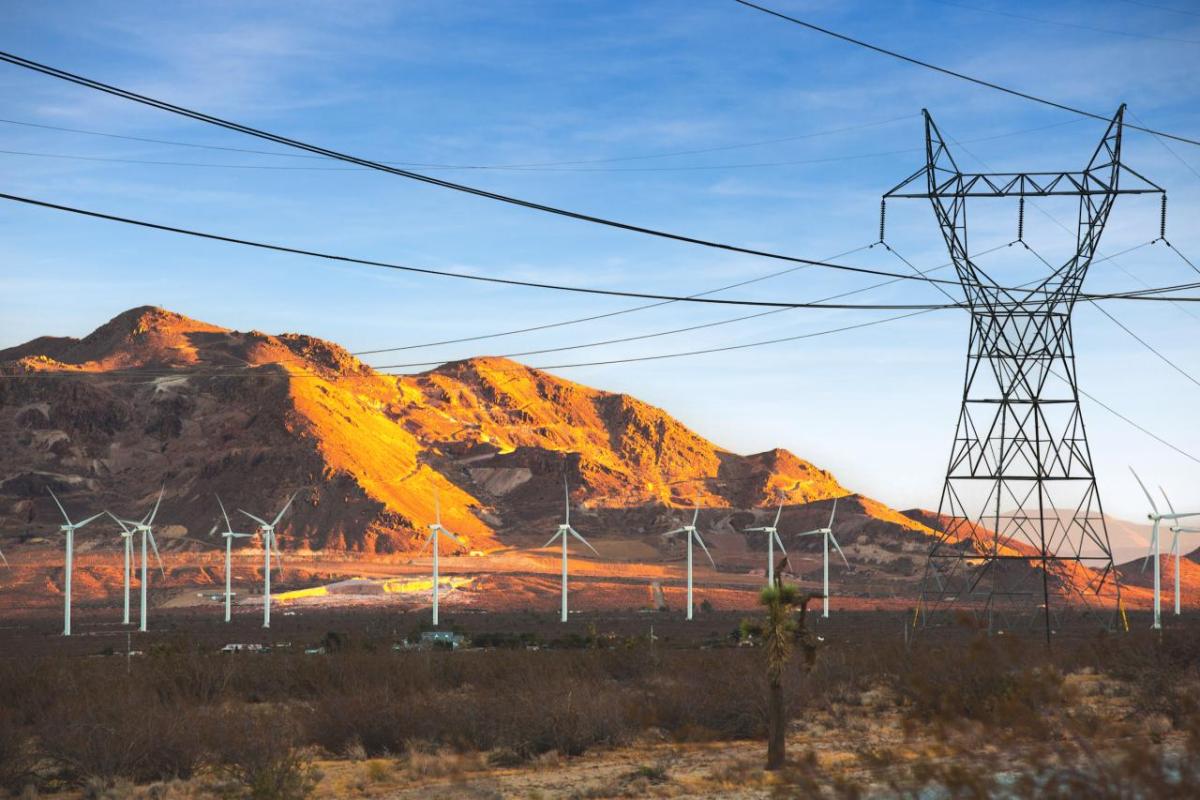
(269, 544)
(1156, 519)
(827, 536)
(229, 535)
(691, 533)
(145, 528)
(1020, 450)
(1175, 531)
(127, 546)
(772, 538)
(565, 532)
(68, 565)
(435, 532)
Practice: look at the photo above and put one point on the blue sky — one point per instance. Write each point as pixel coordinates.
(503, 83)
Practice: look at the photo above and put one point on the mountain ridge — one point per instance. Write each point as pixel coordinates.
(154, 396)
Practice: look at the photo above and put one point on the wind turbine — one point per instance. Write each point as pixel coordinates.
(127, 537)
(229, 535)
(144, 527)
(435, 532)
(827, 536)
(772, 538)
(691, 533)
(68, 529)
(1175, 531)
(269, 544)
(1155, 517)
(565, 531)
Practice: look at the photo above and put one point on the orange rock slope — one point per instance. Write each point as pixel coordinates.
(153, 398)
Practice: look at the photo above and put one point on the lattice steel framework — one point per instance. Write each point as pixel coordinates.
(1020, 511)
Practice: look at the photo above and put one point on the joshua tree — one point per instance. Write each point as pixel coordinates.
(780, 632)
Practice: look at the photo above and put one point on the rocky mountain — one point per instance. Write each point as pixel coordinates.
(153, 398)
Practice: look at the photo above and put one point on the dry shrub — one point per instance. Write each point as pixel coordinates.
(258, 751)
(16, 753)
(988, 684)
(102, 736)
(707, 695)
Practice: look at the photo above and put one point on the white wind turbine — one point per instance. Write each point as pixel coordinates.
(68, 529)
(772, 539)
(1155, 517)
(435, 532)
(1175, 531)
(229, 535)
(127, 546)
(827, 536)
(145, 528)
(565, 531)
(691, 533)
(269, 544)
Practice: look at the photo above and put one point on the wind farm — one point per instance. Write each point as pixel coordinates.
(846, 353)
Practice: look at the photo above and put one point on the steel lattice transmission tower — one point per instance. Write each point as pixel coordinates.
(1020, 512)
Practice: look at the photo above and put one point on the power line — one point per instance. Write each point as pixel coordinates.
(1077, 26)
(978, 81)
(416, 176)
(1162, 8)
(728, 348)
(620, 312)
(562, 287)
(593, 317)
(519, 166)
(688, 329)
(467, 276)
(510, 168)
(1122, 325)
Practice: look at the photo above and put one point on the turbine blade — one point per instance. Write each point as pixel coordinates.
(838, 547)
(778, 514)
(1175, 543)
(696, 516)
(677, 530)
(118, 520)
(283, 510)
(552, 538)
(779, 542)
(3, 559)
(1150, 552)
(154, 544)
(90, 519)
(157, 503)
(567, 494)
(228, 524)
(753, 530)
(1164, 494)
(704, 547)
(428, 539)
(1145, 491)
(259, 520)
(833, 513)
(462, 541)
(60, 505)
(585, 541)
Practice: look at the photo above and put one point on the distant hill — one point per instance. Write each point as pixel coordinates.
(154, 398)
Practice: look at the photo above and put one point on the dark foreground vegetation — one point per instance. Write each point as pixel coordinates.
(992, 714)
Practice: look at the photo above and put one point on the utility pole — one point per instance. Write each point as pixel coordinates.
(1020, 503)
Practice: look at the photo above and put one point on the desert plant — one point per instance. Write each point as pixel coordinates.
(259, 753)
(778, 629)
